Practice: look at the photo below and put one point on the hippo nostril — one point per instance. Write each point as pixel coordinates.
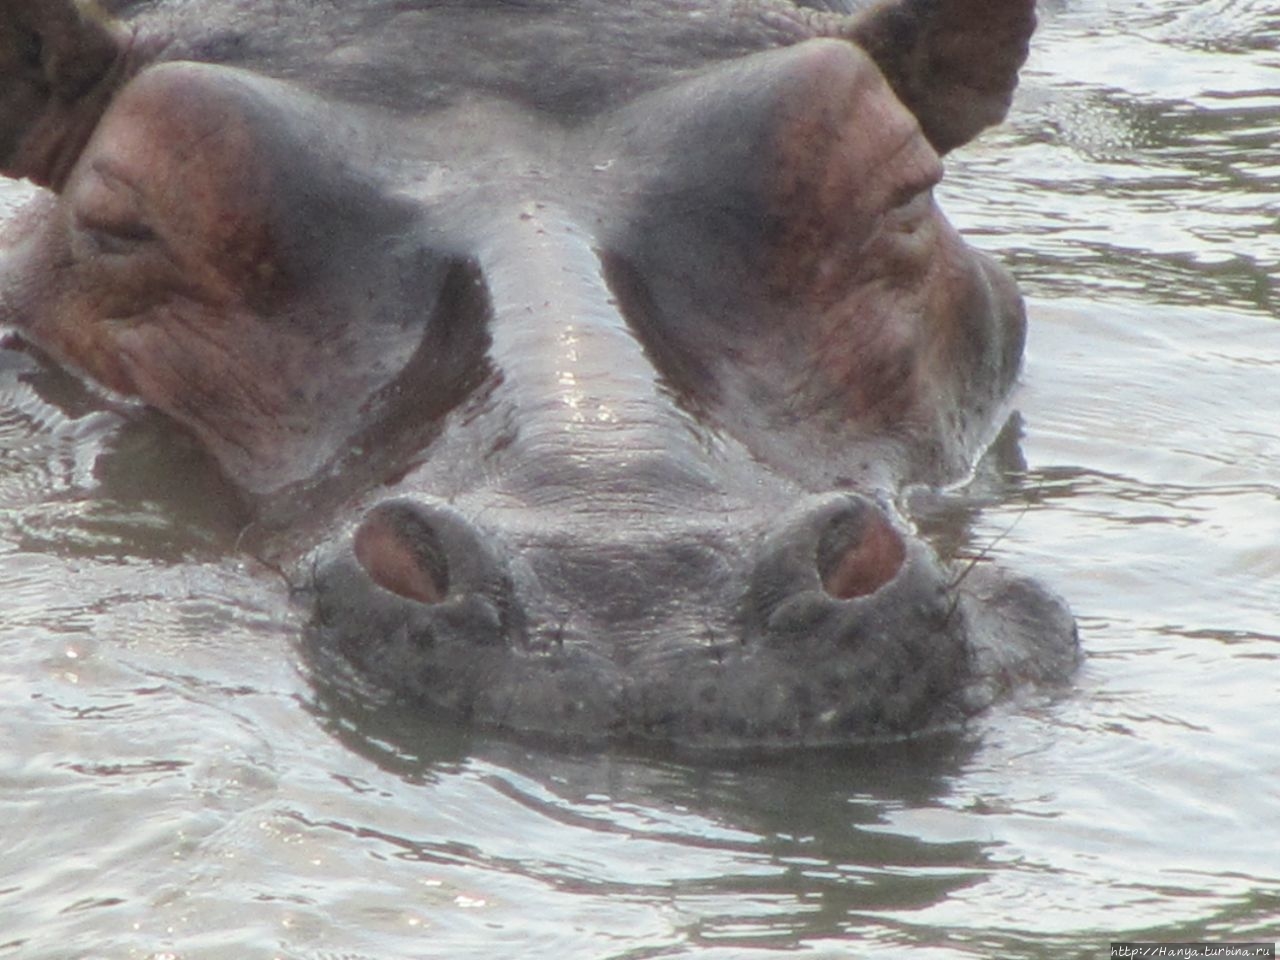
(859, 553)
(818, 564)
(400, 550)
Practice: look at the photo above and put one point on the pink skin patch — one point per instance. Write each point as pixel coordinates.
(396, 562)
(867, 565)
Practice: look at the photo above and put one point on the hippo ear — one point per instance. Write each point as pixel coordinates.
(954, 63)
(60, 60)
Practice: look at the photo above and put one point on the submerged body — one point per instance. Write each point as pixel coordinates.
(577, 351)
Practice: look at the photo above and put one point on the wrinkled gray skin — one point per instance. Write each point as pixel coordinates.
(576, 351)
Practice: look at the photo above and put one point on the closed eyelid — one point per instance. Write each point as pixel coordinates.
(106, 199)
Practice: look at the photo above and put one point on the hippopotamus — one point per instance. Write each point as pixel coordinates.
(576, 358)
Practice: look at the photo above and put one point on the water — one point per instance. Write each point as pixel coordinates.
(172, 784)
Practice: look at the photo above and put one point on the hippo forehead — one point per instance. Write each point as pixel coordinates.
(570, 60)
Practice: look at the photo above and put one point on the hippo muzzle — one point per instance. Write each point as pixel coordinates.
(828, 623)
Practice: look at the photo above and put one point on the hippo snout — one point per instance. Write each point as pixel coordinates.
(827, 622)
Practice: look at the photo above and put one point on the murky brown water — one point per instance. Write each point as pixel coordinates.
(172, 785)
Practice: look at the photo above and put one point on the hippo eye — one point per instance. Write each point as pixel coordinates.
(107, 211)
(911, 209)
(117, 237)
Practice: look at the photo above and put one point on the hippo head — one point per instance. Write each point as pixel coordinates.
(578, 353)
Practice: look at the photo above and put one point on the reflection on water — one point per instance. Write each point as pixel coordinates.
(172, 785)
(1162, 150)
